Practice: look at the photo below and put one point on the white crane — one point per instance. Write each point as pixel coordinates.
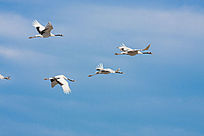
(44, 32)
(132, 52)
(2, 77)
(61, 80)
(101, 70)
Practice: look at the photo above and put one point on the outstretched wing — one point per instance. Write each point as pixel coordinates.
(99, 67)
(64, 84)
(38, 26)
(124, 48)
(53, 82)
(48, 28)
(146, 48)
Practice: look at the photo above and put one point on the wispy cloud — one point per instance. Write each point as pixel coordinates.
(102, 28)
(25, 56)
(13, 25)
(152, 21)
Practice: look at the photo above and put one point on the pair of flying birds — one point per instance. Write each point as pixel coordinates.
(45, 32)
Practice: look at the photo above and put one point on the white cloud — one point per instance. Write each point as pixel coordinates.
(25, 56)
(102, 28)
(13, 25)
(103, 18)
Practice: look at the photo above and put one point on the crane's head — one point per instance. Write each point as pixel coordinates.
(59, 35)
(147, 52)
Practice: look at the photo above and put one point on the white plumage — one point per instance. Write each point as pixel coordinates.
(44, 32)
(132, 52)
(101, 70)
(61, 80)
(37, 24)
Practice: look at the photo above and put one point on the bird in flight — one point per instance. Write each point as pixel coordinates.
(44, 32)
(101, 70)
(2, 77)
(61, 80)
(132, 52)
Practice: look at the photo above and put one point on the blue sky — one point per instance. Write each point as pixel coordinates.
(158, 95)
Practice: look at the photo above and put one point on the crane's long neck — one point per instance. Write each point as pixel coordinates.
(92, 75)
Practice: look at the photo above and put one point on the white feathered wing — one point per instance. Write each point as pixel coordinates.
(37, 24)
(65, 85)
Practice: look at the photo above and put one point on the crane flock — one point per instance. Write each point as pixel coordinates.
(45, 32)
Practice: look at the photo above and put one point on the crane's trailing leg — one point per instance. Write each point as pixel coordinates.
(122, 53)
(36, 36)
(91, 75)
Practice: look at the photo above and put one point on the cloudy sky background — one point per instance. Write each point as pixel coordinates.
(158, 95)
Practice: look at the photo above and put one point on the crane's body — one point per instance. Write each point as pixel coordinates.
(132, 52)
(61, 80)
(44, 32)
(101, 70)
